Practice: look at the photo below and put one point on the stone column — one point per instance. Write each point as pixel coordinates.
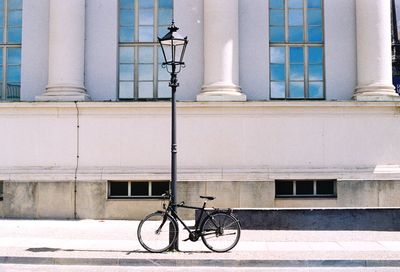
(221, 52)
(66, 52)
(374, 56)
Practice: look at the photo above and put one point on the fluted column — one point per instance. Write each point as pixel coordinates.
(374, 57)
(66, 52)
(221, 52)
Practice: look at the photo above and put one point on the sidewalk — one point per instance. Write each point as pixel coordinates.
(94, 242)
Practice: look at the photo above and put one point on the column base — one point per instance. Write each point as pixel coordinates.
(64, 93)
(376, 92)
(221, 92)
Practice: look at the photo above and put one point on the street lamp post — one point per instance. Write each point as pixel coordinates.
(173, 47)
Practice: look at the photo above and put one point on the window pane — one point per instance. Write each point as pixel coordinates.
(13, 74)
(277, 17)
(283, 188)
(278, 72)
(145, 90)
(314, 3)
(325, 187)
(315, 72)
(146, 34)
(126, 90)
(296, 55)
(316, 90)
(14, 56)
(159, 188)
(304, 187)
(278, 90)
(126, 72)
(14, 4)
(14, 35)
(315, 34)
(165, 4)
(296, 90)
(276, 34)
(277, 54)
(276, 4)
(146, 17)
(146, 4)
(163, 73)
(296, 34)
(145, 72)
(126, 4)
(295, 17)
(315, 55)
(126, 34)
(119, 188)
(295, 3)
(145, 54)
(314, 17)
(164, 16)
(15, 18)
(126, 18)
(139, 188)
(297, 72)
(125, 55)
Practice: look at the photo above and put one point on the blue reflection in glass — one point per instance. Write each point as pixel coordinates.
(315, 34)
(2, 5)
(296, 34)
(316, 90)
(163, 73)
(276, 34)
(314, 4)
(146, 4)
(126, 4)
(314, 17)
(126, 90)
(295, 3)
(296, 72)
(277, 55)
(1, 74)
(145, 72)
(278, 89)
(276, 4)
(278, 72)
(145, 89)
(296, 90)
(14, 35)
(315, 72)
(126, 34)
(126, 71)
(146, 34)
(13, 74)
(295, 17)
(126, 18)
(162, 31)
(277, 17)
(164, 91)
(14, 4)
(165, 16)
(145, 54)
(14, 56)
(165, 4)
(125, 55)
(15, 18)
(315, 55)
(296, 54)
(146, 17)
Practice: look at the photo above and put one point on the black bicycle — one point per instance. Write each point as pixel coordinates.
(219, 229)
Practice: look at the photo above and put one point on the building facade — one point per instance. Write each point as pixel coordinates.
(282, 103)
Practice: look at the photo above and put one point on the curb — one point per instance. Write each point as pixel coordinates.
(197, 262)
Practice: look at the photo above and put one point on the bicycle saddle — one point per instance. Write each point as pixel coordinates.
(208, 197)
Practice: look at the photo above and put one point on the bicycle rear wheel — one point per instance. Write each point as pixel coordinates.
(220, 232)
(157, 232)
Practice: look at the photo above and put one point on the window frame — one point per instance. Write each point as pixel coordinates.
(136, 45)
(305, 44)
(129, 184)
(315, 184)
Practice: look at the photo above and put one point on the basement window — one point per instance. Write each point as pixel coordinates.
(137, 189)
(305, 188)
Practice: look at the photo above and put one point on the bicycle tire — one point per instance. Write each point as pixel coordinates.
(220, 232)
(153, 240)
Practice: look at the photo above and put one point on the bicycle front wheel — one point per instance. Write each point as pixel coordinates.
(157, 232)
(220, 232)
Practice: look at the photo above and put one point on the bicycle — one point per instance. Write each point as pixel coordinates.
(219, 229)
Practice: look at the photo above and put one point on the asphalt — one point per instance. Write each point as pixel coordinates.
(114, 243)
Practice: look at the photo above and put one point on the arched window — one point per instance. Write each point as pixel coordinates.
(140, 74)
(10, 60)
(296, 39)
